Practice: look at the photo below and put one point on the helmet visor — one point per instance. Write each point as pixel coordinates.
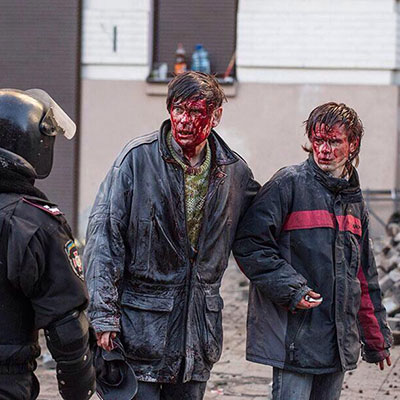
(55, 120)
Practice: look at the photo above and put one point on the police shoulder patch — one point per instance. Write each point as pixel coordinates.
(49, 208)
(74, 259)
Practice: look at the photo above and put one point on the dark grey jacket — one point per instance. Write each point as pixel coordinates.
(308, 230)
(144, 280)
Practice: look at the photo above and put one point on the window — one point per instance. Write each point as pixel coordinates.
(208, 22)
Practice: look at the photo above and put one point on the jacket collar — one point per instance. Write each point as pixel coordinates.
(14, 162)
(221, 153)
(335, 185)
(17, 175)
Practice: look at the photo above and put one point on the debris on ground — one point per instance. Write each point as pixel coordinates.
(388, 263)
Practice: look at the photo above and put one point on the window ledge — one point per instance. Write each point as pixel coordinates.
(159, 87)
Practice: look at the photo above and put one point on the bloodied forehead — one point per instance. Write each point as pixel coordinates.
(336, 131)
(194, 103)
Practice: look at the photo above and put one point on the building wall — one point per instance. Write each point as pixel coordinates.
(40, 48)
(292, 55)
(278, 41)
(318, 41)
(263, 123)
(130, 57)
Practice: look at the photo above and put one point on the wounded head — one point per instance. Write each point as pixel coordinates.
(194, 102)
(330, 116)
(194, 85)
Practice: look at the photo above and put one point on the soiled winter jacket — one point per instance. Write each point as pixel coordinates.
(143, 278)
(306, 230)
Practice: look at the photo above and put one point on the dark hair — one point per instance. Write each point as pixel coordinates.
(195, 85)
(331, 114)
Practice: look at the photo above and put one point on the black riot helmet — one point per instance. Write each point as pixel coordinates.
(29, 122)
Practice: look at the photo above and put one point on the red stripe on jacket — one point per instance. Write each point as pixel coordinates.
(321, 219)
(349, 223)
(309, 219)
(366, 315)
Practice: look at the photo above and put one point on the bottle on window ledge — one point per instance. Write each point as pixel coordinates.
(180, 61)
(200, 60)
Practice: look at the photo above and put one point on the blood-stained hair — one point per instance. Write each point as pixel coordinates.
(331, 114)
(195, 85)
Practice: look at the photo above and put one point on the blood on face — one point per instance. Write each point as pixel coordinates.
(191, 122)
(331, 148)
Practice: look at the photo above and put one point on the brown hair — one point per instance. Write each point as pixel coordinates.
(195, 85)
(331, 114)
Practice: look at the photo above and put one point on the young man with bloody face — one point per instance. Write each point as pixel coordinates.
(304, 243)
(158, 243)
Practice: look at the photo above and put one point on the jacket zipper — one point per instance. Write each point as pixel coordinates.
(150, 235)
(210, 195)
(165, 235)
(188, 245)
(292, 347)
(337, 233)
(188, 276)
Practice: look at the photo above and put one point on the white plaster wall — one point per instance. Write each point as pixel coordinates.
(317, 41)
(133, 22)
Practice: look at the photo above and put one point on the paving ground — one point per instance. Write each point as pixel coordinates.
(234, 378)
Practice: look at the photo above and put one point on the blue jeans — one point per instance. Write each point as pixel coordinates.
(171, 391)
(288, 385)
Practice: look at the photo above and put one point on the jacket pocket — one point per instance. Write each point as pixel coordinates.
(213, 332)
(351, 338)
(143, 244)
(355, 256)
(144, 323)
(294, 344)
(155, 248)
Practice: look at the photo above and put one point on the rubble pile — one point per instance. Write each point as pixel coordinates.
(388, 263)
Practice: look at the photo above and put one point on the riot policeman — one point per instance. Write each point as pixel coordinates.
(41, 281)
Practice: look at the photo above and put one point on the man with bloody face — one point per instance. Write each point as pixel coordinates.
(158, 243)
(304, 243)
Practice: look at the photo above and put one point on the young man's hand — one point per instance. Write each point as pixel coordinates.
(382, 363)
(303, 304)
(104, 340)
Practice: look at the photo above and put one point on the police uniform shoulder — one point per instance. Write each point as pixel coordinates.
(135, 143)
(43, 205)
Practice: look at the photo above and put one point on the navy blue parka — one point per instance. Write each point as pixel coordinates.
(308, 230)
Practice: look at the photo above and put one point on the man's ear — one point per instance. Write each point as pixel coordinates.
(217, 114)
(354, 145)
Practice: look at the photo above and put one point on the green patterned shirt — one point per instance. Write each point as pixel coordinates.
(196, 187)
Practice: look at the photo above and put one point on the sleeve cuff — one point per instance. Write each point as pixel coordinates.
(106, 326)
(375, 356)
(297, 297)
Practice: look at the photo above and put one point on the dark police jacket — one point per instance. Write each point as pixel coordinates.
(143, 278)
(40, 276)
(306, 230)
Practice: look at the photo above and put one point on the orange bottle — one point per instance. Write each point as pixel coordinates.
(180, 61)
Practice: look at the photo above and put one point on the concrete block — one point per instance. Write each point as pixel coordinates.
(394, 323)
(391, 304)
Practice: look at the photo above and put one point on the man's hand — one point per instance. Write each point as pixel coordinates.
(382, 363)
(104, 340)
(303, 304)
